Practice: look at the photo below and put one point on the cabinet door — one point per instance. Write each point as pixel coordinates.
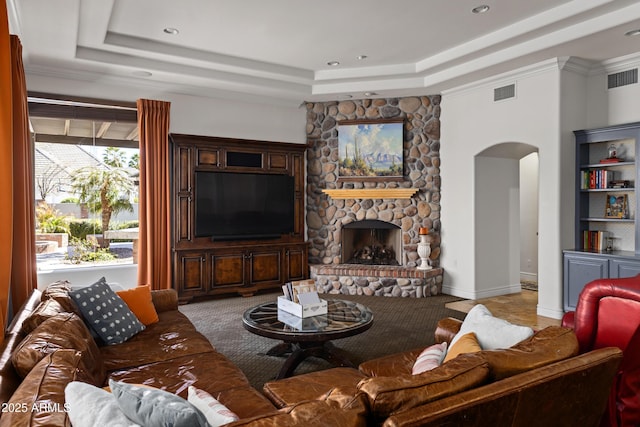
(623, 268)
(265, 266)
(295, 258)
(228, 269)
(578, 271)
(191, 277)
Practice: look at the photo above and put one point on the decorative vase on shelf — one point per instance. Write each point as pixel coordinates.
(424, 250)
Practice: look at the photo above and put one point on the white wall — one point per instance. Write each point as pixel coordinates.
(225, 117)
(497, 223)
(529, 217)
(473, 122)
(612, 106)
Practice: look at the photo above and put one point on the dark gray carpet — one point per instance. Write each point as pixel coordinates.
(399, 324)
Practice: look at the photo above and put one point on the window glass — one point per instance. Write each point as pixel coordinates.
(86, 191)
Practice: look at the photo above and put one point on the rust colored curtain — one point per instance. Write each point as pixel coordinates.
(154, 248)
(17, 224)
(6, 166)
(23, 255)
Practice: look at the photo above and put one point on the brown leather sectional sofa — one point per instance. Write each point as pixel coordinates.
(169, 354)
(540, 381)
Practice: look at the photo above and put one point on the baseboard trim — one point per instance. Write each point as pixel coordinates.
(486, 293)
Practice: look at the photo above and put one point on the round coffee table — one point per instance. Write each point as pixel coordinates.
(311, 336)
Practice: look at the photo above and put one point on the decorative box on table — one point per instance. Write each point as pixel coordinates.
(302, 311)
(313, 323)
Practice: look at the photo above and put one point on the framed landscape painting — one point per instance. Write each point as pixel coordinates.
(370, 149)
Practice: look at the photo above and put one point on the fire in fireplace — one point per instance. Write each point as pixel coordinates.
(371, 242)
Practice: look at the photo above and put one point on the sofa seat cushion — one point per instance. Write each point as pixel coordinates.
(173, 336)
(63, 331)
(244, 401)
(312, 386)
(387, 395)
(41, 393)
(549, 345)
(210, 371)
(313, 413)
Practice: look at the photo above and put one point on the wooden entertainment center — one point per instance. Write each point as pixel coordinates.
(204, 266)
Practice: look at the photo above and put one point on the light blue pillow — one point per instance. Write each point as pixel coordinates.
(153, 407)
(90, 406)
(106, 313)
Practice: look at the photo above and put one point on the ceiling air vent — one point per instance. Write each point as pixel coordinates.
(504, 92)
(622, 78)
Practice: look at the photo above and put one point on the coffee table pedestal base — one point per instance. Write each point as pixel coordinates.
(298, 352)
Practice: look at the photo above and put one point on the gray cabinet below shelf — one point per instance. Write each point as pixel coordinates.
(582, 267)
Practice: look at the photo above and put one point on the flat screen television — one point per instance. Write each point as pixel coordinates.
(241, 206)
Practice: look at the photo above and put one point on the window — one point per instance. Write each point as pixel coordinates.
(86, 181)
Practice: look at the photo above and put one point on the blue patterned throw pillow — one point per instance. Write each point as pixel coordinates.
(106, 313)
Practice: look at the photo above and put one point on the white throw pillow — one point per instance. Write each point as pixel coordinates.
(430, 358)
(90, 406)
(492, 333)
(215, 412)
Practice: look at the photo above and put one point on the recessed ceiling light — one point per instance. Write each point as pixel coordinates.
(480, 9)
(171, 30)
(370, 93)
(633, 33)
(333, 63)
(361, 57)
(141, 73)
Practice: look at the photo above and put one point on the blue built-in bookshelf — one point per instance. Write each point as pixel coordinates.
(607, 231)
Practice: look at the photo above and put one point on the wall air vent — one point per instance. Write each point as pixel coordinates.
(622, 78)
(504, 92)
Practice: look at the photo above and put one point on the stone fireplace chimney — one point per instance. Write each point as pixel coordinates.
(333, 223)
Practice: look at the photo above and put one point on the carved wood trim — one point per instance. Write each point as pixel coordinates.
(371, 193)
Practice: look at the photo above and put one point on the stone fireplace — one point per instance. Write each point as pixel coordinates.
(351, 220)
(371, 242)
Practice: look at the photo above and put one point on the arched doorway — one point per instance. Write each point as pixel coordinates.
(502, 237)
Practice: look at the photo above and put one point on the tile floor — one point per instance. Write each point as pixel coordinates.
(519, 308)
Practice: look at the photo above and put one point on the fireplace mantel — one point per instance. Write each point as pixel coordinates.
(371, 193)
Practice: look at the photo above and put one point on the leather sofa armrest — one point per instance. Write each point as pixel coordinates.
(446, 329)
(569, 320)
(164, 299)
(391, 365)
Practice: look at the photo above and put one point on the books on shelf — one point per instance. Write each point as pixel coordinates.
(595, 179)
(611, 160)
(595, 240)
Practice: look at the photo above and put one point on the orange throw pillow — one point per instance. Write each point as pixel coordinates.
(139, 301)
(468, 343)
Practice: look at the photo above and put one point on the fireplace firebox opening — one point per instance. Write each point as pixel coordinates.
(371, 242)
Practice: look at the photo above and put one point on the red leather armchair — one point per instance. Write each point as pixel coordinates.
(608, 314)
